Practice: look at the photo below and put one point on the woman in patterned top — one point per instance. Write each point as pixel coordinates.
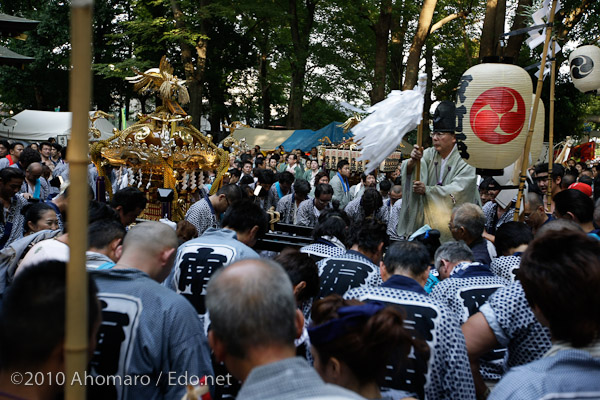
(353, 342)
(369, 205)
(330, 235)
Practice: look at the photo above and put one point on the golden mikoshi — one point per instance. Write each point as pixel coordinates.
(162, 149)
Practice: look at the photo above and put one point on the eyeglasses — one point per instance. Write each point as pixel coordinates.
(526, 215)
(438, 134)
(451, 226)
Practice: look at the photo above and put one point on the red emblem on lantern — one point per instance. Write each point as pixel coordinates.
(498, 107)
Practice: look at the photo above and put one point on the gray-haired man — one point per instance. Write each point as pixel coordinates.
(254, 321)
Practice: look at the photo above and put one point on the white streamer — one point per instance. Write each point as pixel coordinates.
(184, 181)
(141, 176)
(380, 133)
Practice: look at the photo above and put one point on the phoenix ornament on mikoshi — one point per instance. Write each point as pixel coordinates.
(162, 149)
(162, 81)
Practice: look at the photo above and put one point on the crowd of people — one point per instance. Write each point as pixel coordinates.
(413, 287)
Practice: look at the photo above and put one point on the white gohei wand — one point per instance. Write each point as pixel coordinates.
(140, 177)
(149, 180)
(184, 181)
(131, 177)
(382, 131)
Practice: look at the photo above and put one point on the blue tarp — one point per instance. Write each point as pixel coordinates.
(305, 139)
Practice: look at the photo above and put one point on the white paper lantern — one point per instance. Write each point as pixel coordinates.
(537, 140)
(492, 110)
(585, 68)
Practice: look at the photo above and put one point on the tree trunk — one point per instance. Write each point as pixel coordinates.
(39, 97)
(127, 101)
(382, 31)
(216, 94)
(294, 118)
(264, 85)
(300, 43)
(513, 48)
(487, 43)
(142, 100)
(466, 40)
(445, 20)
(214, 115)
(493, 28)
(499, 25)
(265, 90)
(397, 49)
(197, 89)
(414, 55)
(194, 74)
(215, 123)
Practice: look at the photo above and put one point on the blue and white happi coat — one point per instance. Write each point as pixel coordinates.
(443, 373)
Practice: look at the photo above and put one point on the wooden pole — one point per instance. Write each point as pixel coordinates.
(536, 102)
(551, 134)
(76, 334)
(420, 144)
(422, 82)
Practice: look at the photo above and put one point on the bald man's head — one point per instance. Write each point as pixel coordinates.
(151, 237)
(33, 171)
(251, 304)
(395, 193)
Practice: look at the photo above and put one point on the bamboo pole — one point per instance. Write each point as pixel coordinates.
(551, 134)
(536, 102)
(76, 336)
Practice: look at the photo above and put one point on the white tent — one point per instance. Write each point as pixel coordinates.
(38, 126)
(267, 139)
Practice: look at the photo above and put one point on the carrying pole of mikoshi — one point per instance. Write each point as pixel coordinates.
(551, 134)
(536, 102)
(80, 83)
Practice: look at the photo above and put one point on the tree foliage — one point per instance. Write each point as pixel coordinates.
(271, 62)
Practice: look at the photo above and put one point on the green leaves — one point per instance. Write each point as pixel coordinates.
(255, 62)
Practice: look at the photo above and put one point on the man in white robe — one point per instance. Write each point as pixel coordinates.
(446, 179)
